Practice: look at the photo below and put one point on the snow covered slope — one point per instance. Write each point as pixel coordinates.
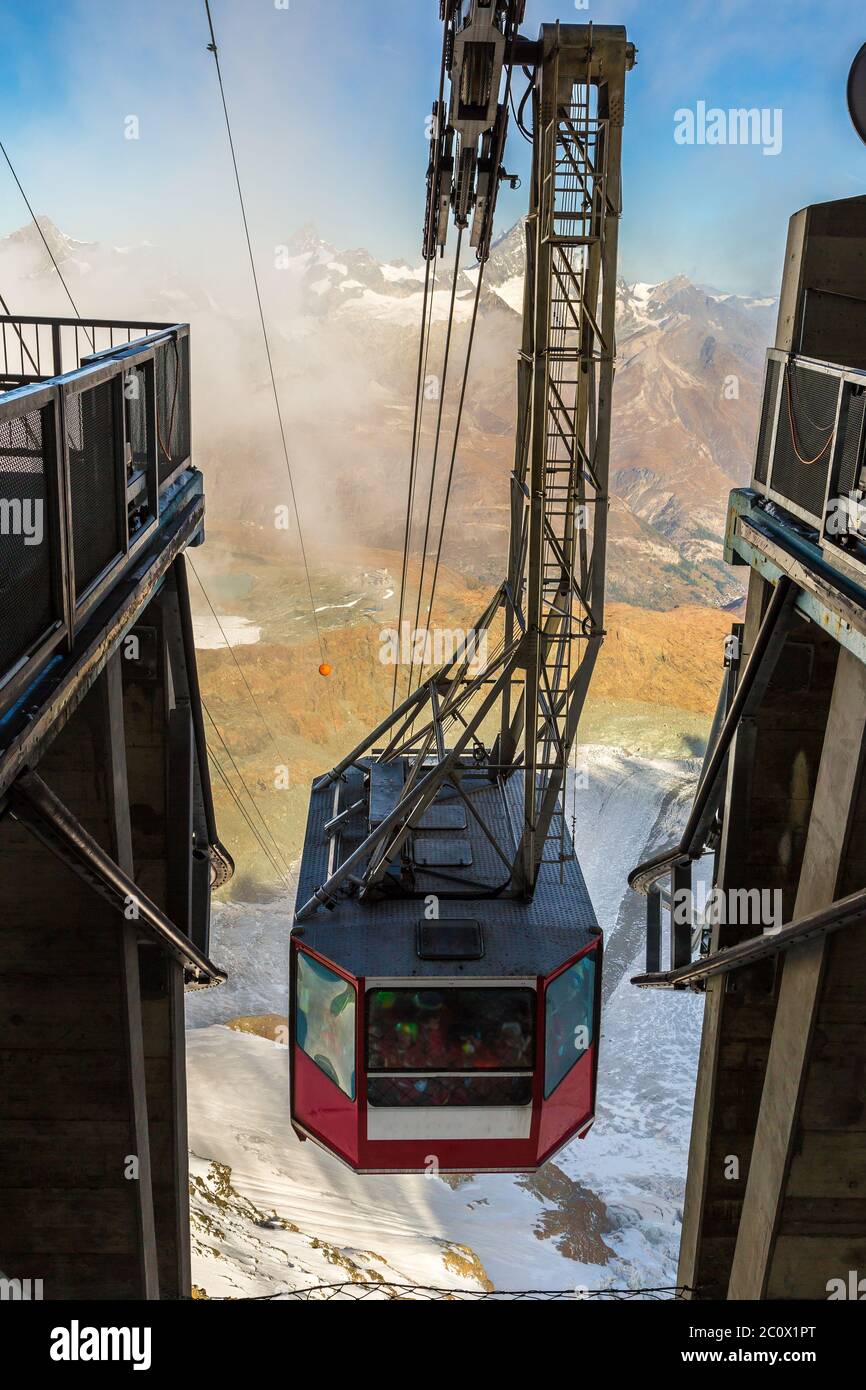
(270, 1213)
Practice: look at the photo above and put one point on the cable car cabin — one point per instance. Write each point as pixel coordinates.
(468, 1041)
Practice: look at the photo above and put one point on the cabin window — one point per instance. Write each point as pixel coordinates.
(325, 1021)
(450, 1030)
(569, 1008)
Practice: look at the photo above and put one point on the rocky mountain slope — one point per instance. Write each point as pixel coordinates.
(344, 331)
(686, 399)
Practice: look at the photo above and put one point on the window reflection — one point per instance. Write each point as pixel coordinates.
(325, 1021)
(450, 1029)
(569, 1009)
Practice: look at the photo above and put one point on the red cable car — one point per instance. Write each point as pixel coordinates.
(460, 1043)
(446, 963)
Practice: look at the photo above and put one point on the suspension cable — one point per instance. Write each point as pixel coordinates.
(435, 459)
(212, 47)
(280, 757)
(423, 349)
(24, 348)
(450, 478)
(447, 497)
(242, 780)
(243, 811)
(251, 798)
(45, 244)
(423, 353)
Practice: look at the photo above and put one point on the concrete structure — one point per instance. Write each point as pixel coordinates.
(108, 849)
(775, 1203)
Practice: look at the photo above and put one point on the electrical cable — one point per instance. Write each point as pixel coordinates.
(281, 759)
(435, 459)
(423, 349)
(244, 813)
(45, 243)
(242, 780)
(450, 478)
(423, 353)
(212, 48)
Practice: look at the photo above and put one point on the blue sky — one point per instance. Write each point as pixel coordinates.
(329, 100)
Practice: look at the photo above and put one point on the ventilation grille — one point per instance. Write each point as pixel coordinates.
(172, 405)
(801, 459)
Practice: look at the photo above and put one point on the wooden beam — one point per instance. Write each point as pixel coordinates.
(737, 792)
(181, 1136)
(790, 1048)
(160, 743)
(111, 682)
(179, 796)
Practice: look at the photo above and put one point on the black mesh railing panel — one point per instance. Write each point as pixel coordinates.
(26, 598)
(95, 479)
(765, 433)
(413, 1091)
(172, 405)
(801, 459)
(850, 461)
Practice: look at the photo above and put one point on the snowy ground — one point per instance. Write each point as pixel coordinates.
(270, 1212)
(212, 634)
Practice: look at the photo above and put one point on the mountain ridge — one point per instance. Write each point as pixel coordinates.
(344, 329)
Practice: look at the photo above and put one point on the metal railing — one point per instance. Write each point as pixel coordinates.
(845, 912)
(36, 348)
(677, 860)
(88, 458)
(36, 806)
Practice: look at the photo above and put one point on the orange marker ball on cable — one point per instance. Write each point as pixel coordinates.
(324, 669)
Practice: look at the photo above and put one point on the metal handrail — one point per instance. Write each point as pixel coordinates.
(34, 347)
(846, 912)
(222, 863)
(49, 321)
(99, 367)
(35, 805)
(760, 663)
(116, 350)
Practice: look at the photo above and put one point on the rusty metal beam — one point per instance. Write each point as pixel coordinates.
(35, 806)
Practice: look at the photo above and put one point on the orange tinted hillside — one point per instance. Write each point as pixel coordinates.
(666, 658)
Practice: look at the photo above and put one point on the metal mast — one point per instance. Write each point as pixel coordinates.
(544, 625)
(559, 487)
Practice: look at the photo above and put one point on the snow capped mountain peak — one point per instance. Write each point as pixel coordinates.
(397, 271)
(28, 237)
(307, 241)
